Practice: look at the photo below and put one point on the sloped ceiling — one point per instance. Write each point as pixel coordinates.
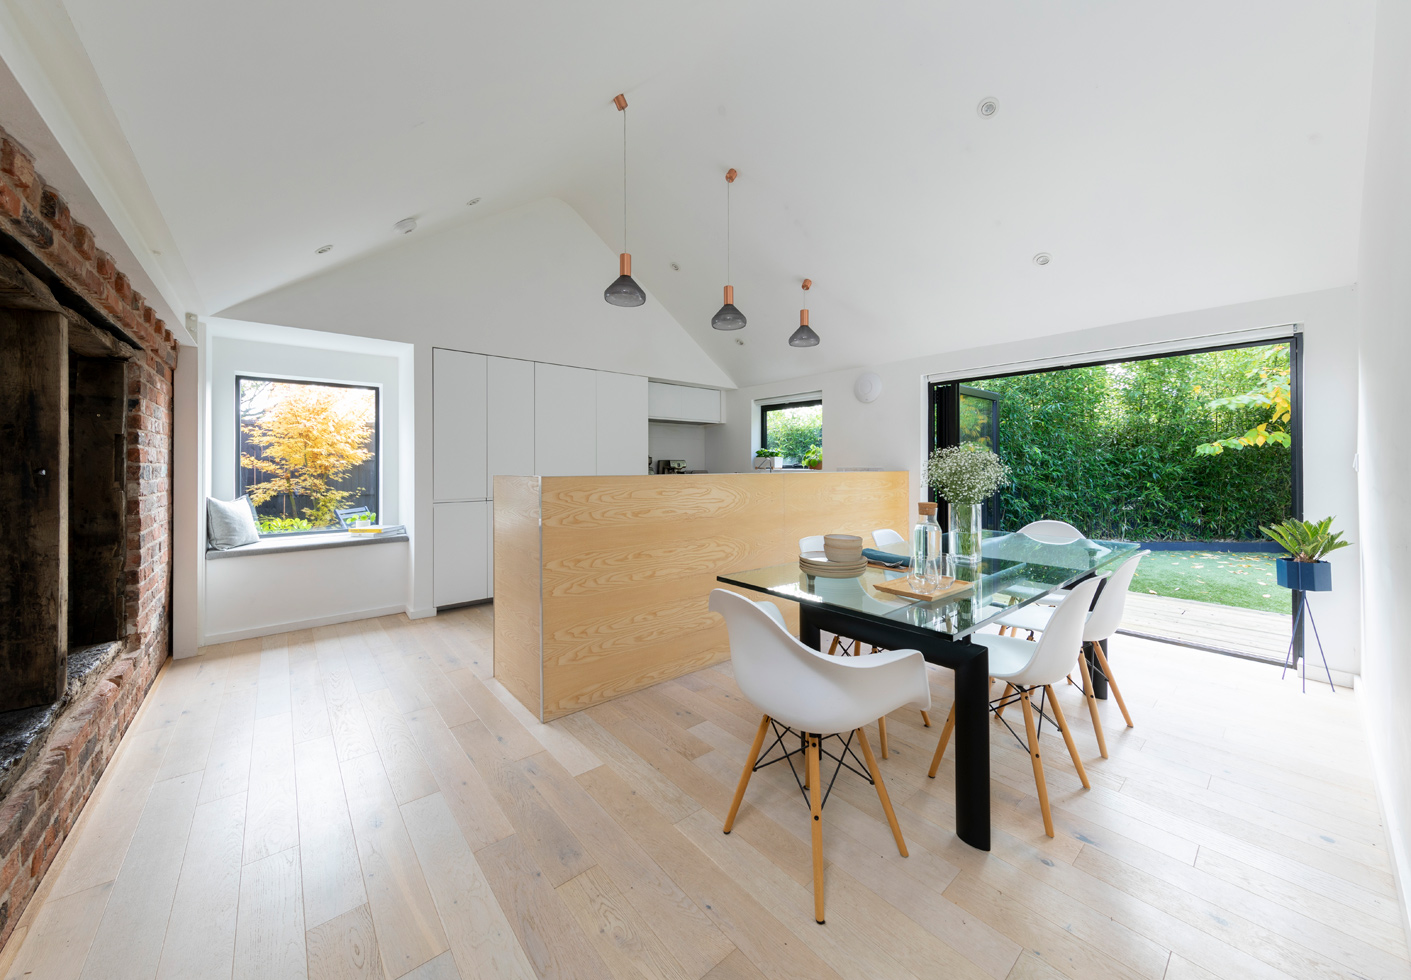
(1170, 157)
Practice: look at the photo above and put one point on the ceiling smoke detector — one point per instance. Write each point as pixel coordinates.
(473, 200)
(1043, 258)
(322, 249)
(988, 107)
(406, 226)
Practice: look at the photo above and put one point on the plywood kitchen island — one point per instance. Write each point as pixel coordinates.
(601, 583)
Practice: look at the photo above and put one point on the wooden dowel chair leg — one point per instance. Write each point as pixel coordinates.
(833, 648)
(882, 735)
(1067, 737)
(1112, 682)
(1039, 782)
(941, 745)
(926, 719)
(881, 790)
(1004, 699)
(815, 810)
(745, 776)
(1092, 704)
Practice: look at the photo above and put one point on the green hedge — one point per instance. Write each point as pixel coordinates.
(1111, 450)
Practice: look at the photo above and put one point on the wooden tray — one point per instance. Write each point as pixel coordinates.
(902, 587)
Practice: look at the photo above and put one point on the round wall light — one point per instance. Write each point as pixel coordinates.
(867, 387)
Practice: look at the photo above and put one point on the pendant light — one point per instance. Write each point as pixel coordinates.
(728, 318)
(804, 335)
(624, 291)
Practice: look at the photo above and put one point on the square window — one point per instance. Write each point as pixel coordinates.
(792, 428)
(307, 451)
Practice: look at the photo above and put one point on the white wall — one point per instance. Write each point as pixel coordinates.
(890, 433)
(1385, 345)
(677, 440)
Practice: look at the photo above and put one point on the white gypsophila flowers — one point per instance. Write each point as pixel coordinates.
(965, 474)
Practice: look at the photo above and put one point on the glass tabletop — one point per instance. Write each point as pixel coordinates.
(1014, 571)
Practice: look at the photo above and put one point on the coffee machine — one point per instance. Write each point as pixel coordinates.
(671, 466)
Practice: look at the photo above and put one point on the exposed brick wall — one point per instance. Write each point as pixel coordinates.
(41, 810)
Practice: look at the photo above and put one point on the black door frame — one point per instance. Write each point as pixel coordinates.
(943, 417)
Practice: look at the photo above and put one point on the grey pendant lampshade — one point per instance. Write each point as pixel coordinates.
(728, 317)
(624, 290)
(804, 335)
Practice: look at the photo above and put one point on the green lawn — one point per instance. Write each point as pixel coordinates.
(1229, 578)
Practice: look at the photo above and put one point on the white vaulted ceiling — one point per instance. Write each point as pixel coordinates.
(1169, 156)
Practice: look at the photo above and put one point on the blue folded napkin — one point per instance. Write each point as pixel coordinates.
(887, 558)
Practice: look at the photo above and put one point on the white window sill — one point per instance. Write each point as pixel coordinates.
(280, 544)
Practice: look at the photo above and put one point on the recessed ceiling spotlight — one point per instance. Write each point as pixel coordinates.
(675, 267)
(988, 107)
(739, 342)
(323, 248)
(473, 200)
(406, 226)
(1043, 258)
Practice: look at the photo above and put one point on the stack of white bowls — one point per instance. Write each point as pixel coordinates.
(841, 558)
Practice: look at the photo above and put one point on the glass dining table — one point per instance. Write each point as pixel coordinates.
(1015, 570)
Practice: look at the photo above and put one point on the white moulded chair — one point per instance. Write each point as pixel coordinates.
(814, 542)
(1102, 622)
(888, 540)
(803, 691)
(1026, 667)
(1052, 532)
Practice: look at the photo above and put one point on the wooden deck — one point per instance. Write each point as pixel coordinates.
(1222, 629)
(367, 801)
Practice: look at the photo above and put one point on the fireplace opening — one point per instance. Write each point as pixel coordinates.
(97, 470)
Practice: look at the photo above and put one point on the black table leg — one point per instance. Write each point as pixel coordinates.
(1098, 677)
(972, 750)
(809, 632)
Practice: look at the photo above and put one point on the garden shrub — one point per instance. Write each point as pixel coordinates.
(1111, 449)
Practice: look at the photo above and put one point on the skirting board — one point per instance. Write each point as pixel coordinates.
(275, 628)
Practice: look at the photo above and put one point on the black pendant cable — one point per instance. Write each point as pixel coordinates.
(728, 318)
(804, 335)
(624, 290)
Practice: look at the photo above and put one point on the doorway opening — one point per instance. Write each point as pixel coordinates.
(1188, 453)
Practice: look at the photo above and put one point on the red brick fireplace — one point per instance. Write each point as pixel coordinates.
(85, 518)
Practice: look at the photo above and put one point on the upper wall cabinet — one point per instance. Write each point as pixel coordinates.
(682, 403)
(566, 421)
(622, 424)
(458, 425)
(510, 401)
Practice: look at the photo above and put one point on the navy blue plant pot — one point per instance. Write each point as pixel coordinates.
(1304, 576)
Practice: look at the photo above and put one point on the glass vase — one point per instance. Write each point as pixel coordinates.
(965, 533)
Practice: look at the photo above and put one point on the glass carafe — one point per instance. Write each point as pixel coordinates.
(927, 563)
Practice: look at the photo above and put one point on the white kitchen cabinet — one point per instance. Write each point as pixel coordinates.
(682, 403)
(460, 546)
(510, 407)
(622, 424)
(458, 425)
(565, 421)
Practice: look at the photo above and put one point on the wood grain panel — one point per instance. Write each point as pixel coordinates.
(518, 574)
(627, 565)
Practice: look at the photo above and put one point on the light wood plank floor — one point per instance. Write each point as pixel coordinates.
(366, 801)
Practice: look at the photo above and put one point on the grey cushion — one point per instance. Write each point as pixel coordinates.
(230, 523)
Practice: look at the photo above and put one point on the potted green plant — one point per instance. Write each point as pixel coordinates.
(813, 459)
(1307, 543)
(767, 459)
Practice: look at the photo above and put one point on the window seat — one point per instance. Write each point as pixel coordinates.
(282, 544)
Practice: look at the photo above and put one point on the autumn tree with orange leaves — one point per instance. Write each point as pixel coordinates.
(310, 437)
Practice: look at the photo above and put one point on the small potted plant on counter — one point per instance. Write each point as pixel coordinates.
(813, 459)
(1307, 542)
(767, 459)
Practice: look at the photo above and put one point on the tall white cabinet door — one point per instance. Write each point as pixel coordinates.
(457, 425)
(565, 421)
(622, 424)
(460, 569)
(510, 406)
